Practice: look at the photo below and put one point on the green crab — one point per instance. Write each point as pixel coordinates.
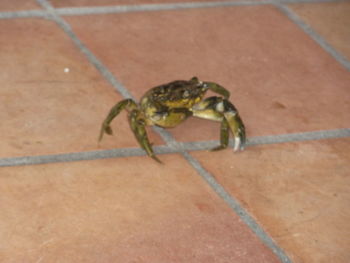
(170, 104)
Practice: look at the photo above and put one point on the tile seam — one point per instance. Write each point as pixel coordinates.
(171, 143)
(237, 208)
(95, 10)
(90, 56)
(108, 75)
(23, 14)
(87, 10)
(66, 11)
(314, 35)
(177, 147)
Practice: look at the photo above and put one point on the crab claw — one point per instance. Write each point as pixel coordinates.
(236, 126)
(220, 109)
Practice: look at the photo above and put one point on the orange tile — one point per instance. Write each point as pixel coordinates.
(10, 5)
(280, 79)
(330, 20)
(299, 192)
(45, 110)
(78, 3)
(119, 210)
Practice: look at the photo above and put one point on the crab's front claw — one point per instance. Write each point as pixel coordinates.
(220, 109)
(233, 122)
(238, 130)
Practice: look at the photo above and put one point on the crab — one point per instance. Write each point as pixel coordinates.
(170, 104)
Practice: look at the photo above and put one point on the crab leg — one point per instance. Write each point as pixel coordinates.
(224, 136)
(217, 89)
(137, 125)
(127, 104)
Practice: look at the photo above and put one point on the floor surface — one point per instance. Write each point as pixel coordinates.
(67, 198)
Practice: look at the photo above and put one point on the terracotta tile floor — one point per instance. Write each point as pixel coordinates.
(81, 3)
(330, 12)
(66, 198)
(10, 5)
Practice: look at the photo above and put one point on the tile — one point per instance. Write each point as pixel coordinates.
(280, 79)
(330, 20)
(43, 108)
(299, 193)
(79, 3)
(119, 210)
(10, 5)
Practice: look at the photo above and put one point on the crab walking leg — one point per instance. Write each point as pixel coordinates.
(224, 136)
(127, 104)
(207, 109)
(137, 125)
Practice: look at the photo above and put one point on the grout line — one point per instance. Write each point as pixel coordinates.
(45, 4)
(95, 10)
(78, 156)
(239, 210)
(92, 59)
(175, 147)
(153, 7)
(269, 139)
(89, 10)
(23, 14)
(302, 136)
(315, 36)
(171, 143)
(305, 1)
(108, 75)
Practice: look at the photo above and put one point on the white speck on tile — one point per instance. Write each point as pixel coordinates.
(66, 70)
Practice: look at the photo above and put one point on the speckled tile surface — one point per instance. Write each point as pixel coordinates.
(277, 90)
(330, 20)
(9, 5)
(52, 100)
(298, 191)
(86, 3)
(66, 198)
(121, 210)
